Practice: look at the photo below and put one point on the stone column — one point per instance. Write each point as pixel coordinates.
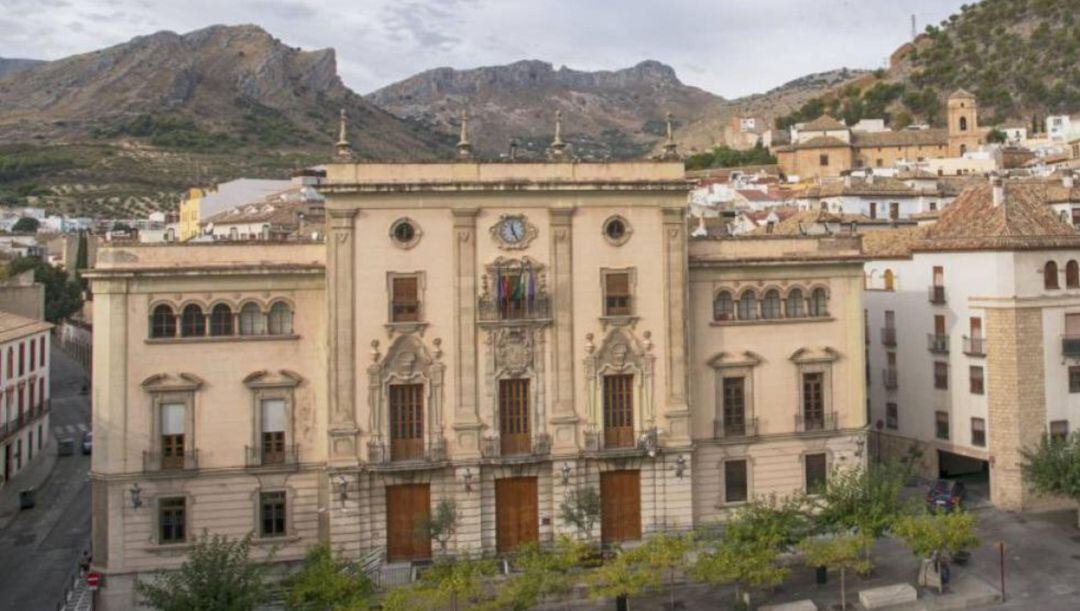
(466, 405)
(676, 408)
(341, 336)
(564, 418)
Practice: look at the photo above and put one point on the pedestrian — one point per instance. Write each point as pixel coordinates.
(84, 562)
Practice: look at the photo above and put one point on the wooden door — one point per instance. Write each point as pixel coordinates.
(517, 519)
(514, 417)
(406, 421)
(619, 411)
(408, 508)
(620, 506)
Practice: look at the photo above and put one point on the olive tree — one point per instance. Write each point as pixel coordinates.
(1053, 467)
(838, 552)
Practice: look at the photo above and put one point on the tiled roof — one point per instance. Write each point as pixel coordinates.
(892, 243)
(904, 137)
(754, 195)
(821, 124)
(794, 224)
(13, 326)
(881, 185)
(961, 93)
(821, 142)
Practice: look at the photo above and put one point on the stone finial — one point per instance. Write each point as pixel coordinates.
(670, 147)
(343, 148)
(558, 147)
(464, 147)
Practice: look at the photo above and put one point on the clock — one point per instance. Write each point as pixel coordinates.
(512, 230)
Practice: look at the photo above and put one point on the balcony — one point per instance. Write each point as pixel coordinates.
(937, 295)
(734, 429)
(396, 456)
(938, 343)
(1070, 345)
(158, 461)
(974, 346)
(289, 456)
(889, 378)
(808, 423)
(536, 309)
(621, 441)
(888, 336)
(516, 447)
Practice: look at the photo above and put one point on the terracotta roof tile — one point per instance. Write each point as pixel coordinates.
(821, 124)
(904, 137)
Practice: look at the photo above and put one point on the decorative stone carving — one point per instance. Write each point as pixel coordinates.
(621, 352)
(517, 352)
(407, 361)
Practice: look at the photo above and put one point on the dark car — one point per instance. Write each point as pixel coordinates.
(945, 494)
(87, 442)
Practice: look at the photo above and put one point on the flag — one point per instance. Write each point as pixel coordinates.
(532, 285)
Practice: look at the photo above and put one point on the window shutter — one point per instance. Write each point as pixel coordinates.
(1072, 324)
(405, 289)
(172, 419)
(618, 284)
(273, 415)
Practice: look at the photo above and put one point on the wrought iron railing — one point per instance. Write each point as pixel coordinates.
(937, 294)
(938, 343)
(160, 461)
(888, 336)
(381, 453)
(889, 378)
(974, 346)
(536, 308)
(515, 446)
(809, 422)
(742, 427)
(265, 457)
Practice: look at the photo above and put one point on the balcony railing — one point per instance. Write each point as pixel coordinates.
(974, 346)
(888, 378)
(7, 429)
(262, 457)
(492, 310)
(728, 429)
(938, 343)
(158, 461)
(434, 451)
(1070, 345)
(937, 294)
(515, 447)
(888, 336)
(806, 423)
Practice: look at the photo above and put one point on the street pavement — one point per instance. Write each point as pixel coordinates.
(40, 547)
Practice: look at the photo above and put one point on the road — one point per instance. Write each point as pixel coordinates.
(40, 547)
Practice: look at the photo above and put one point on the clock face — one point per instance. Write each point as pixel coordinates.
(512, 230)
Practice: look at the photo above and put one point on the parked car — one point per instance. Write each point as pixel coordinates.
(87, 442)
(945, 494)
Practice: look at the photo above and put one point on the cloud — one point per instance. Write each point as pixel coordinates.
(730, 47)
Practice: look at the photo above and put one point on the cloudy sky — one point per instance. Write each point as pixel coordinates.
(729, 47)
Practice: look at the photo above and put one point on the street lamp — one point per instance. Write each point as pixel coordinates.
(467, 479)
(680, 466)
(565, 473)
(343, 488)
(136, 495)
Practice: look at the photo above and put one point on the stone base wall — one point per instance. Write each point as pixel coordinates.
(886, 447)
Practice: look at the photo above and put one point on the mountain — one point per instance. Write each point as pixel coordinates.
(605, 113)
(167, 111)
(11, 65)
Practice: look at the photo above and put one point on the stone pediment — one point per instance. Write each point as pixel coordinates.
(814, 355)
(169, 382)
(270, 379)
(746, 358)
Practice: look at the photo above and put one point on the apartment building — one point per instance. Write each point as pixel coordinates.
(24, 391)
(970, 326)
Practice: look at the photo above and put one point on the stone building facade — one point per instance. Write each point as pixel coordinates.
(498, 335)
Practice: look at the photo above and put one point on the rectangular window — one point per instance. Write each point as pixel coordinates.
(735, 481)
(823, 160)
(892, 416)
(619, 411)
(873, 210)
(33, 355)
(939, 275)
(813, 401)
(734, 406)
(406, 299)
(272, 514)
(172, 435)
(171, 520)
(941, 375)
(976, 380)
(978, 432)
(22, 358)
(406, 421)
(617, 294)
(816, 472)
(1074, 379)
(41, 351)
(941, 425)
(273, 431)
(514, 417)
(1059, 429)
(894, 211)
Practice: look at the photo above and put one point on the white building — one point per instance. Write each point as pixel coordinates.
(24, 391)
(877, 197)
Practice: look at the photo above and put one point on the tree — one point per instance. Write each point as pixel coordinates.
(218, 575)
(666, 554)
(838, 552)
(542, 574)
(996, 136)
(328, 582)
(942, 532)
(443, 524)
(581, 509)
(1054, 467)
(627, 575)
(26, 224)
(63, 296)
(447, 583)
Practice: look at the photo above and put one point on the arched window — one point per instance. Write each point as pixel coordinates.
(890, 280)
(963, 124)
(221, 320)
(163, 322)
(723, 306)
(819, 303)
(1050, 276)
(1072, 275)
(280, 319)
(251, 320)
(192, 321)
(747, 305)
(770, 305)
(796, 304)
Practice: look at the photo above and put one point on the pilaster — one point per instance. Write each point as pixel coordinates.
(676, 408)
(341, 330)
(564, 418)
(466, 405)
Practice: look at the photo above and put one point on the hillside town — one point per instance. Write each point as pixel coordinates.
(825, 361)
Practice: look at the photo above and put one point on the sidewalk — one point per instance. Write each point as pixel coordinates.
(35, 476)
